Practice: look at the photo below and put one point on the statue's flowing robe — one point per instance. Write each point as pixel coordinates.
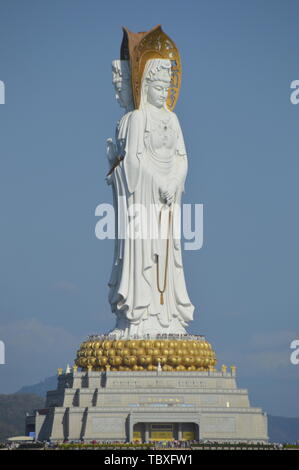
(134, 294)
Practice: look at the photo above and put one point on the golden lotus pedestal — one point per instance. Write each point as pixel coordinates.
(146, 355)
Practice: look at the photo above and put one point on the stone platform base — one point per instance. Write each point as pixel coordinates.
(148, 406)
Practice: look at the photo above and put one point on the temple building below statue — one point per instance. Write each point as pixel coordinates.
(158, 405)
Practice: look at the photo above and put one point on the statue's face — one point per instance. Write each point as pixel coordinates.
(123, 93)
(157, 92)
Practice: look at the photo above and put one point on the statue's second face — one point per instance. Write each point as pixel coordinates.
(123, 93)
(157, 92)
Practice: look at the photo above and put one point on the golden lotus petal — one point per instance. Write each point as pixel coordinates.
(175, 360)
(140, 351)
(115, 360)
(124, 352)
(102, 361)
(188, 361)
(129, 360)
(145, 360)
(161, 359)
(111, 352)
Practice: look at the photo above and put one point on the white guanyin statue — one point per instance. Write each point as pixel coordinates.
(148, 169)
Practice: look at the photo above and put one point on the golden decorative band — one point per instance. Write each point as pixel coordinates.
(141, 355)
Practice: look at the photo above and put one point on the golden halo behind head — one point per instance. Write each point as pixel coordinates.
(138, 48)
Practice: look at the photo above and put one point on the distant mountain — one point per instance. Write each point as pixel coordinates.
(40, 388)
(13, 409)
(280, 429)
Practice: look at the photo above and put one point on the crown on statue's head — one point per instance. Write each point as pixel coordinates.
(161, 73)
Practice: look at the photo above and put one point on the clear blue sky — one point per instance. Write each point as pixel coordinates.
(241, 133)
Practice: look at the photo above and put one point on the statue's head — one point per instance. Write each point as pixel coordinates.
(156, 82)
(121, 79)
